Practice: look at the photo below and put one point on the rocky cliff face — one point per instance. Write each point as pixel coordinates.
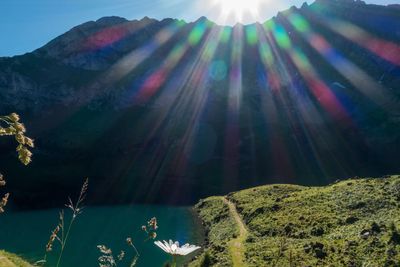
(168, 111)
(83, 46)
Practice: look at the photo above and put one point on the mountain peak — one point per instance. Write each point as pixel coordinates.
(205, 20)
(146, 18)
(111, 20)
(341, 1)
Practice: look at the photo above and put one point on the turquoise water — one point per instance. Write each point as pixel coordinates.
(27, 233)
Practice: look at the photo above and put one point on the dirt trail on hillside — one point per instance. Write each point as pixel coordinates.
(236, 245)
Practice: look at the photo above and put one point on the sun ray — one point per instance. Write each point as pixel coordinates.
(357, 77)
(318, 88)
(384, 49)
(281, 44)
(134, 58)
(176, 102)
(238, 8)
(234, 102)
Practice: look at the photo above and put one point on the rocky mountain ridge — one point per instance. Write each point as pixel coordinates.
(149, 109)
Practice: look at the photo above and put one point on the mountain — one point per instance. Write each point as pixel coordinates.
(350, 223)
(168, 111)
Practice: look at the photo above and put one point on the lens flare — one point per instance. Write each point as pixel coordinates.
(358, 77)
(238, 8)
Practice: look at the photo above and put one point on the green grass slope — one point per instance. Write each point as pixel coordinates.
(351, 223)
(11, 260)
(220, 229)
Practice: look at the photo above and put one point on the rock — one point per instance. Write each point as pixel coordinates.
(319, 251)
(317, 231)
(351, 220)
(320, 254)
(288, 228)
(365, 234)
(250, 239)
(257, 211)
(391, 252)
(389, 263)
(300, 235)
(375, 228)
(307, 248)
(275, 207)
(358, 205)
(395, 238)
(318, 245)
(352, 243)
(267, 258)
(317, 248)
(219, 248)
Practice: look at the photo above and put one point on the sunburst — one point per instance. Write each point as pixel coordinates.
(238, 8)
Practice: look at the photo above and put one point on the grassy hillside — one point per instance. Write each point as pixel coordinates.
(350, 223)
(11, 260)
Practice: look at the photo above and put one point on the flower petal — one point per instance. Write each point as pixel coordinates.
(162, 246)
(173, 248)
(168, 246)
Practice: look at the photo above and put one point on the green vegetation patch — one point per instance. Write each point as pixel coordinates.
(11, 260)
(351, 223)
(220, 229)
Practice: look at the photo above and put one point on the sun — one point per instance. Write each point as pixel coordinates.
(238, 8)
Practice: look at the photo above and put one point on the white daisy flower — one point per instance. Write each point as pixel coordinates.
(173, 248)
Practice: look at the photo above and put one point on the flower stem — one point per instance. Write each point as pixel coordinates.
(173, 260)
(64, 241)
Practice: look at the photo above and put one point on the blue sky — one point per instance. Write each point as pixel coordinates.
(29, 24)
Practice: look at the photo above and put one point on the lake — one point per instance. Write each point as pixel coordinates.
(27, 233)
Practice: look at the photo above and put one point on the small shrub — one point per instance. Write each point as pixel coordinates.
(11, 125)
(206, 260)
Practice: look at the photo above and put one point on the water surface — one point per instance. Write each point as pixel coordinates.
(27, 233)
